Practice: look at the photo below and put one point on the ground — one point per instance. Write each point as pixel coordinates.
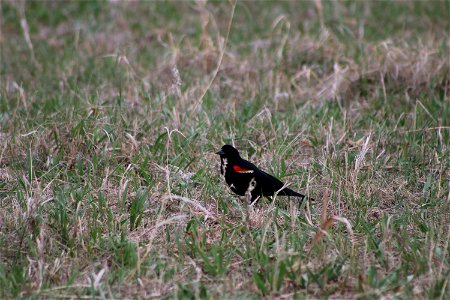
(111, 112)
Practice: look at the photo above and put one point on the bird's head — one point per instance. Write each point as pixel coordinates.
(229, 152)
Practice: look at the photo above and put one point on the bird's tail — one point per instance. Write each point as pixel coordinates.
(289, 192)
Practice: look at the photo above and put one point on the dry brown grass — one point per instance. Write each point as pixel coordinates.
(114, 115)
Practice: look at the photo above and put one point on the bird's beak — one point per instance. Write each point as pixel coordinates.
(220, 152)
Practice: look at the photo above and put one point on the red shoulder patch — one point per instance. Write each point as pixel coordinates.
(241, 170)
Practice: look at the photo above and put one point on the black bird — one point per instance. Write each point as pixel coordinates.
(245, 179)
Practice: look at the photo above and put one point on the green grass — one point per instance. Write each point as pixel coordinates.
(110, 188)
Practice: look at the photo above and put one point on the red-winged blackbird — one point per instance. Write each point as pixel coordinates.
(245, 179)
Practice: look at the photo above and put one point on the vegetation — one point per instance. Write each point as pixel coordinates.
(111, 112)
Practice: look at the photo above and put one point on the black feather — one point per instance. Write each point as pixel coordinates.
(255, 181)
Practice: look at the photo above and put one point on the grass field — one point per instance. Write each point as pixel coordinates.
(110, 114)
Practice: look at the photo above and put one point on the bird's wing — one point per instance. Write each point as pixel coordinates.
(264, 177)
(245, 164)
(276, 183)
(270, 183)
